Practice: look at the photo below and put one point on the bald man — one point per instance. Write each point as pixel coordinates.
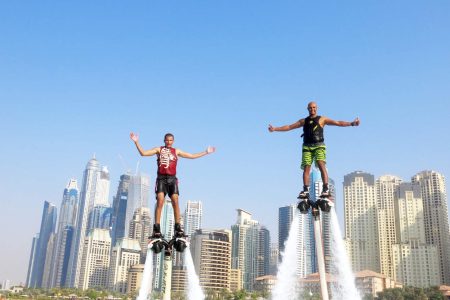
(313, 145)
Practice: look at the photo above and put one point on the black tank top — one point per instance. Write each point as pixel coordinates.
(312, 131)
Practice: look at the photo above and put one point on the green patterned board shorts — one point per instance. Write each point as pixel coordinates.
(315, 153)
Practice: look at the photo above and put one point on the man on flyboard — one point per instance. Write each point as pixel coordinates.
(313, 148)
(166, 180)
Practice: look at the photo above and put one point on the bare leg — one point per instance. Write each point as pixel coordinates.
(176, 208)
(306, 171)
(323, 171)
(159, 205)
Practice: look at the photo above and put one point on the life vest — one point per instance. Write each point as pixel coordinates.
(312, 131)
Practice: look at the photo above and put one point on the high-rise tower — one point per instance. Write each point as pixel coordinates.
(193, 217)
(414, 262)
(102, 189)
(87, 199)
(361, 230)
(140, 229)
(120, 209)
(211, 254)
(138, 196)
(125, 254)
(94, 265)
(63, 240)
(435, 210)
(249, 239)
(386, 187)
(48, 225)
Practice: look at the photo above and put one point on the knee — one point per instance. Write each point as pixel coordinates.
(174, 201)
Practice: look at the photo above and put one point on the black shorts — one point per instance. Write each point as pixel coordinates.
(167, 184)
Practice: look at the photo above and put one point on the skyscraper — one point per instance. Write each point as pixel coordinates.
(46, 275)
(140, 229)
(100, 217)
(120, 209)
(211, 254)
(48, 225)
(263, 252)
(386, 188)
(274, 253)
(64, 234)
(138, 196)
(247, 240)
(414, 262)
(361, 230)
(95, 259)
(125, 254)
(87, 199)
(102, 189)
(31, 260)
(435, 209)
(193, 217)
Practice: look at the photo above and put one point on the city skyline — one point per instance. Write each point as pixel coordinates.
(355, 183)
(77, 78)
(186, 205)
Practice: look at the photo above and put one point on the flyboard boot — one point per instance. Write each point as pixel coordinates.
(179, 239)
(304, 203)
(156, 242)
(324, 202)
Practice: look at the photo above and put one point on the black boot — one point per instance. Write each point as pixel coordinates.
(178, 231)
(325, 191)
(156, 231)
(305, 193)
(155, 240)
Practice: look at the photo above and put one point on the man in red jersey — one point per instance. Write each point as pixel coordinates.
(166, 181)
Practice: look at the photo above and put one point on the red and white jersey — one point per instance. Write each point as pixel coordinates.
(167, 161)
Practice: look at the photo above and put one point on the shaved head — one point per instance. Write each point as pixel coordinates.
(312, 109)
(312, 103)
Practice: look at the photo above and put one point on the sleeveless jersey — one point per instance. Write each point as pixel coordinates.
(167, 161)
(312, 131)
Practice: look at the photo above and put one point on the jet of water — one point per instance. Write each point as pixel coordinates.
(147, 277)
(286, 286)
(194, 290)
(345, 286)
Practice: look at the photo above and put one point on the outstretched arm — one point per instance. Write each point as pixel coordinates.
(328, 121)
(295, 125)
(143, 152)
(208, 150)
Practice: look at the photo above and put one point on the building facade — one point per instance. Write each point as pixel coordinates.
(386, 187)
(95, 259)
(361, 228)
(125, 254)
(415, 263)
(87, 199)
(47, 230)
(193, 217)
(435, 210)
(211, 254)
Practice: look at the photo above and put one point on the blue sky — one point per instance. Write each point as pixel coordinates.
(77, 77)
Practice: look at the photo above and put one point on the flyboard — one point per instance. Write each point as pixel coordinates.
(323, 203)
(157, 244)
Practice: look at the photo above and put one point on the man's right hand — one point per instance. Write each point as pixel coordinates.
(134, 137)
(270, 128)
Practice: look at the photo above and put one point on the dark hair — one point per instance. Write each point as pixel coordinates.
(167, 135)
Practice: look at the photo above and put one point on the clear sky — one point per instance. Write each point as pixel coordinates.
(76, 77)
